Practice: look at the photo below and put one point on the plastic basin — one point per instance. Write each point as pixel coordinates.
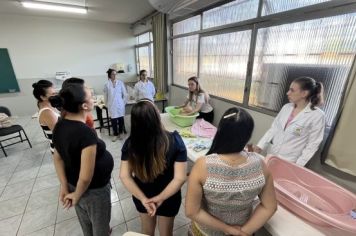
(313, 197)
(180, 120)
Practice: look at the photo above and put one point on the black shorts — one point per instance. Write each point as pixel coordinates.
(209, 117)
(169, 208)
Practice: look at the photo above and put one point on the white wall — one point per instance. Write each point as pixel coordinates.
(41, 46)
(144, 26)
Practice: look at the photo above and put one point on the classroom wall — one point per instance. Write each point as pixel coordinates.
(41, 46)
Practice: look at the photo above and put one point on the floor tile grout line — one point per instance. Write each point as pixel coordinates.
(18, 229)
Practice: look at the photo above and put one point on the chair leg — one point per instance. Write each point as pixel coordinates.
(109, 127)
(3, 149)
(20, 136)
(29, 143)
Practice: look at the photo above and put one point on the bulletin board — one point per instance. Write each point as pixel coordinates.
(8, 81)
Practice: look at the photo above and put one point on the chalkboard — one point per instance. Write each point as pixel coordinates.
(8, 82)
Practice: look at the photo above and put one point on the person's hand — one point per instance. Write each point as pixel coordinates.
(149, 206)
(256, 149)
(187, 109)
(234, 230)
(70, 200)
(157, 200)
(62, 193)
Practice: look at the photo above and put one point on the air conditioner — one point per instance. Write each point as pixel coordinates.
(176, 8)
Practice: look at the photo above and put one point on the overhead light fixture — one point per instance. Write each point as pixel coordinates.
(55, 7)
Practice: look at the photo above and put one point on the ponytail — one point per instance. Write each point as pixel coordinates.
(56, 101)
(70, 98)
(317, 97)
(109, 71)
(315, 89)
(40, 87)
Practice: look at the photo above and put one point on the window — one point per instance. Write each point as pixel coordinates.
(187, 26)
(223, 64)
(229, 13)
(276, 6)
(144, 53)
(253, 63)
(323, 49)
(185, 58)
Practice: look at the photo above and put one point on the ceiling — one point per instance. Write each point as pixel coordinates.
(120, 11)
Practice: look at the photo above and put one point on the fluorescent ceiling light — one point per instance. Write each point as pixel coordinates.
(54, 7)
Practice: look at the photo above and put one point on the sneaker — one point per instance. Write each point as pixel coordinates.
(114, 139)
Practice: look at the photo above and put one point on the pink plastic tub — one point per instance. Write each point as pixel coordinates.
(311, 196)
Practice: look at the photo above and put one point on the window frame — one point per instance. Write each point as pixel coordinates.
(312, 12)
(150, 53)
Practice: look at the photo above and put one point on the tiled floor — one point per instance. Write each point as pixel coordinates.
(29, 189)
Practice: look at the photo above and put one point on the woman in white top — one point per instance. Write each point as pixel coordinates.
(47, 115)
(298, 129)
(197, 101)
(115, 97)
(144, 89)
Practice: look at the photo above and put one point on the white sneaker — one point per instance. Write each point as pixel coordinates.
(114, 139)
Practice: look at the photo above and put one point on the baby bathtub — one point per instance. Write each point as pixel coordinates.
(311, 196)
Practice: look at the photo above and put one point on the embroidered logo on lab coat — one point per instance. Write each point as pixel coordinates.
(298, 131)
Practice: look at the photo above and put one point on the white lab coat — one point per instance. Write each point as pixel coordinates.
(144, 90)
(115, 98)
(300, 140)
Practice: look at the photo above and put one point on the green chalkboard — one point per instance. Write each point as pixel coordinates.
(8, 82)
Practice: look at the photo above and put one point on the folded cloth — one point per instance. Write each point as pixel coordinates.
(203, 128)
(186, 133)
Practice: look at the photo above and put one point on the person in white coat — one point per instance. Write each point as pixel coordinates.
(298, 129)
(144, 89)
(115, 97)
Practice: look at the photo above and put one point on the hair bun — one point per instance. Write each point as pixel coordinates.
(34, 85)
(56, 101)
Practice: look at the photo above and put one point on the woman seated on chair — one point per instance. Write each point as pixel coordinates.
(47, 115)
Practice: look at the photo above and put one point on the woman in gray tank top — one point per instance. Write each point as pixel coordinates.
(223, 185)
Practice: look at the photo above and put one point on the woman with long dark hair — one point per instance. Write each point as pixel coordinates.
(153, 168)
(298, 129)
(197, 101)
(82, 163)
(222, 186)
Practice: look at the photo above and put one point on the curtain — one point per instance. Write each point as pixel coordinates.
(159, 31)
(340, 152)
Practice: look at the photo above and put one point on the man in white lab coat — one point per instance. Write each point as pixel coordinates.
(298, 129)
(115, 97)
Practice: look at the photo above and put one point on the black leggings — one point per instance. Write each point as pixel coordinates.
(118, 121)
(209, 117)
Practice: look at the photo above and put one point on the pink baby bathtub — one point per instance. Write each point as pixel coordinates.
(311, 196)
